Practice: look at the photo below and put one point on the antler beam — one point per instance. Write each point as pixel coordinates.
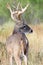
(17, 13)
(23, 9)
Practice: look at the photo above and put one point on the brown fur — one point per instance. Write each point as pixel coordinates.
(15, 45)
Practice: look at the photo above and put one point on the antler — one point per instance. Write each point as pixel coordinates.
(12, 12)
(23, 10)
(8, 6)
(16, 14)
(19, 4)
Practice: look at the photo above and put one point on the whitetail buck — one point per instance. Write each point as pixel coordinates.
(17, 44)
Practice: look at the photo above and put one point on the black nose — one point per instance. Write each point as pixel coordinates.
(31, 31)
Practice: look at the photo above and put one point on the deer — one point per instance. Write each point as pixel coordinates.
(17, 44)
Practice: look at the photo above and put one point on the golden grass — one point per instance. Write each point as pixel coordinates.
(35, 56)
(36, 44)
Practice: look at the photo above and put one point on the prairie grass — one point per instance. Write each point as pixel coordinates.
(35, 56)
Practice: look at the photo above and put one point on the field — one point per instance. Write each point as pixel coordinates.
(35, 56)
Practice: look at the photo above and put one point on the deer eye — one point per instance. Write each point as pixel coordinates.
(24, 27)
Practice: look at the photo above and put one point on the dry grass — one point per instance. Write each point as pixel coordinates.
(35, 56)
(36, 45)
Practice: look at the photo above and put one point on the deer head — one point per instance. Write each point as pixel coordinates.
(16, 15)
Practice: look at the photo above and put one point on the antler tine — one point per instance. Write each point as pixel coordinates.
(21, 6)
(23, 9)
(18, 5)
(12, 12)
(8, 6)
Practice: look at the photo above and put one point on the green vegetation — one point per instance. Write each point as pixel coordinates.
(34, 13)
(35, 56)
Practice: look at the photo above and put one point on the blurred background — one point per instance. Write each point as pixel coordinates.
(34, 17)
(34, 13)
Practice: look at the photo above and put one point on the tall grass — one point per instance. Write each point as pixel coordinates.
(35, 56)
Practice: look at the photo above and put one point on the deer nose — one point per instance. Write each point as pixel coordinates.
(31, 31)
